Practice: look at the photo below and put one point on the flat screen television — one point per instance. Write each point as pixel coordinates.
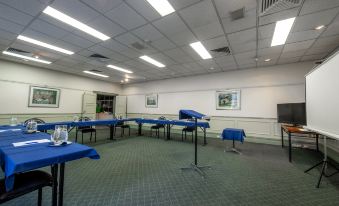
(292, 113)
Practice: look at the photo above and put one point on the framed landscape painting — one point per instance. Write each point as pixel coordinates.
(228, 99)
(151, 100)
(43, 97)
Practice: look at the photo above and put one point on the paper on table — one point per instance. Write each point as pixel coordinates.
(9, 130)
(38, 141)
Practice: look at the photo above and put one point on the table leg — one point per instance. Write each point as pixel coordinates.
(139, 129)
(54, 171)
(282, 137)
(168, 131)
(111, 132)
(205, 142)
(61, 184)
(289, 147)
(317, 141)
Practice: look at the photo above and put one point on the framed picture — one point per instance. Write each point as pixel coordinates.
(228, 99)
(43, 97)
(151, 100)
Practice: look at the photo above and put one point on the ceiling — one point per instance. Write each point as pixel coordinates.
(167, 38)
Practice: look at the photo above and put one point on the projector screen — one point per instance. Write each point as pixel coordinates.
(322, 98)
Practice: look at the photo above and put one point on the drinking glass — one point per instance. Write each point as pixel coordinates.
(60, 134)
(13, 121)
(32, 126)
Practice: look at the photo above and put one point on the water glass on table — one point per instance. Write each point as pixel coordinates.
(60, 134)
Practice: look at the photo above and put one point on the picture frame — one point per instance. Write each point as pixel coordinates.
(151, 101)
(228, 99)
(43, 97)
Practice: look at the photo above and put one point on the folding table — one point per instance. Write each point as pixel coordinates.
(29, 157)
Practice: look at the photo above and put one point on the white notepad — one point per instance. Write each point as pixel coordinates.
(31, 142)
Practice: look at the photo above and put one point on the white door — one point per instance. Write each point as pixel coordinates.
(89, 103)
(120, 106)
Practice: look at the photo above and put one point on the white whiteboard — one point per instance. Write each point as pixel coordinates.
(322, 98)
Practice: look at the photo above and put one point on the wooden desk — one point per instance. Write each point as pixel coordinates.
(295, 130)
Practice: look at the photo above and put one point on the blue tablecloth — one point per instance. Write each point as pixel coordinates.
(233, 134)
(188, 114)
(51, 125)
(20, 159)
(172, 122)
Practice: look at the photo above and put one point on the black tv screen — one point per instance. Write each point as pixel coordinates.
(292, 113)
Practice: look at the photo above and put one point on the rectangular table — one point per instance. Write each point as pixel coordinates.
(170, 123)
(290, 130)
(20, 159)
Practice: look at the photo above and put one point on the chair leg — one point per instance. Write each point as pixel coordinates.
(115, 129)
(95, 136)
(185, 135)
(129, 131)
(151, 132)
(164, 132)
(82, 137)
(76, 135)
(158, 131)
(182, 135)
(90, 139)
(40, 197)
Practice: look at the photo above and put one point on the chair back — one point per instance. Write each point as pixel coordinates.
(161, 118)
(190, 127)
(84, 119)
(37, 120)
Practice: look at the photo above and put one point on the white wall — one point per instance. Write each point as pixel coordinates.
(261, 90)
(16, 78)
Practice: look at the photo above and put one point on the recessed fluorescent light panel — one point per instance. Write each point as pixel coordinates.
(320, 27)
(96, 74)
(201, 50)
(119, 69)
(26, 57)
(281, 31)
(152, 61)
(75, 23)
(162, 6)
(43, 44)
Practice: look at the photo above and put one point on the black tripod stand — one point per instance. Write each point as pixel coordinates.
(325, 163)
(194, 166)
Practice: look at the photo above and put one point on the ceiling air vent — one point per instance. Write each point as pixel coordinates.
(138, 46)
(17, 51)
(238, 14)
(99, 57)
(273, 6)
(95, 70)
(225, 50)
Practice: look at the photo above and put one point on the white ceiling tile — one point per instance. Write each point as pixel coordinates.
(298, 46)
(311, 6)
(193, 15)
(242, 37)
(263, 63)
(39, 36)
(327, 41)
(183, 38)
(264, 43)
(127, 39)
(288, 60)
(78, 41)
(225, 61)
(226, 7)
(102, 5)
(163, 44)
(163, 59)
(215, 43)
(291, 54)
(170, 24)
(56, 23)
(320, 50)
(106, 26)
(247, 66)
(148, 32)
(30, 7)
(189, 51)
(303, 35)
(179, 56)
(272, 18)
(240, 48)
(4, 42)
(313, 57)
(267, 52)
(7, 35)
(249, 21)
(179, 4)
(310, 21)
(75, 9)
(13, 15)
(11, 26)
(266, 31)
(144, 8)
(208, 31)
(126, 17)
(48, 29)
(245, 58)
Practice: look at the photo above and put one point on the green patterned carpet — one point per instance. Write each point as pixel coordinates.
(146, 171)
